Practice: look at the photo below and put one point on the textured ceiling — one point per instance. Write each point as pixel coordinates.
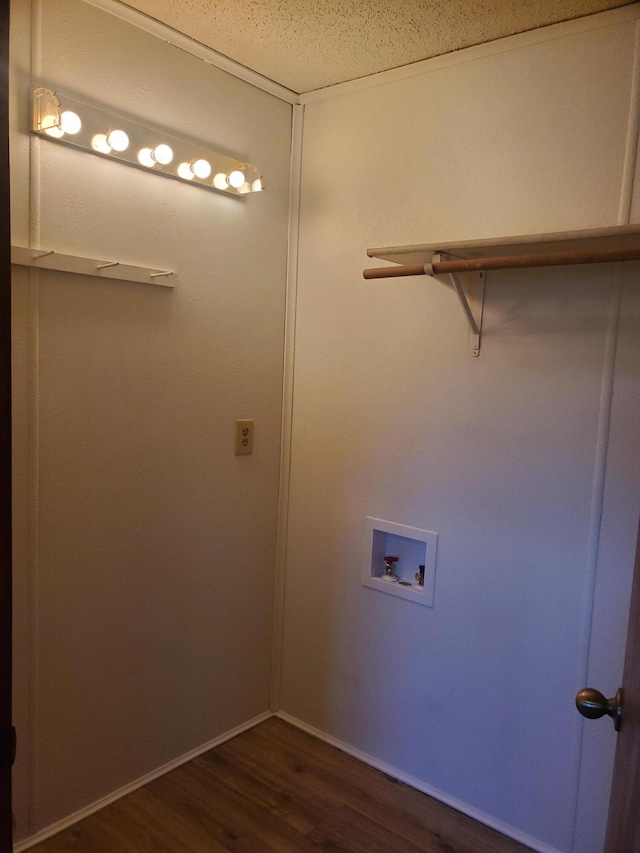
(308, 44)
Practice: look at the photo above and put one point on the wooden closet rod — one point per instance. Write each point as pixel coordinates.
(597, 256)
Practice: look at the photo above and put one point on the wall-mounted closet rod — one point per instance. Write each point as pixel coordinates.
(437, 267)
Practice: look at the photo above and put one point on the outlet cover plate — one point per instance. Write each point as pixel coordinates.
(245, 428)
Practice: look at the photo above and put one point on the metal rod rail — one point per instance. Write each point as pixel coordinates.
(596, 256)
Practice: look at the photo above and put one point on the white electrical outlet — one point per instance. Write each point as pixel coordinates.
(244, 437)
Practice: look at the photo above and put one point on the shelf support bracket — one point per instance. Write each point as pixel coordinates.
(469, 288)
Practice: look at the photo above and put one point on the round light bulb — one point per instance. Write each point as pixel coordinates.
(201, 169)
(256, 186)
(50, 124)
(55, 131)
(162, 154)
(220, 181)
(118, 140)
(99, 143)
(235, 179)
(145, 157)
(70, 122)
(184, 171)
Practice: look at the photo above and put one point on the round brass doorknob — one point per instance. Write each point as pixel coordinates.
(593, 705)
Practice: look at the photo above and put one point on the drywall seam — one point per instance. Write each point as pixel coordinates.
(33, 652)
(34, 437)
(604, 420)
(195, 48)
(460, 806)
(287, 402)
(595, 521)
(633, 129)
(139, 783)
(478, 51)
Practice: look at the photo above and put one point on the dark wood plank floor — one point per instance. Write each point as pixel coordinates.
(277, 789)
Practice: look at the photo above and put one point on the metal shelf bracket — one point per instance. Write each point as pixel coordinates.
(469, 288)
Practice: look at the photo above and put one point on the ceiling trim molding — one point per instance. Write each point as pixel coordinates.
(597, 21)
(195, 48)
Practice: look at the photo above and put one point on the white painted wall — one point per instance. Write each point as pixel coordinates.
(144, 548)
(503, 456)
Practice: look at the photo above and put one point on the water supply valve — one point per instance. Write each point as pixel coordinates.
(389, 574)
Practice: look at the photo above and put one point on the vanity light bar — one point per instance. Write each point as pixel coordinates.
(63, 119)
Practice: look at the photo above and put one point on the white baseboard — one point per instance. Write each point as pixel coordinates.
(486, 819)
(460, 806)
(26, 843)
